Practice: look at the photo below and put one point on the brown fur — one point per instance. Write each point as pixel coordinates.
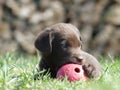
(61, 44)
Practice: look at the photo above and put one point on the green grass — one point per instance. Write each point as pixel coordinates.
(17, 73)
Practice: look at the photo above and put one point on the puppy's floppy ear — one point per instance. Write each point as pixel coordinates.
(44, 41)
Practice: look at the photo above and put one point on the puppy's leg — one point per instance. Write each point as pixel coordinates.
(41, 70)
(91, 65)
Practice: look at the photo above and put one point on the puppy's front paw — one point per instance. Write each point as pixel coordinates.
(90, 70)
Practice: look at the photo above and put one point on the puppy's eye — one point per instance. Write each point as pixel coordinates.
(64, 44)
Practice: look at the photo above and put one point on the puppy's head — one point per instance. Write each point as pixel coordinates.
(60, 41)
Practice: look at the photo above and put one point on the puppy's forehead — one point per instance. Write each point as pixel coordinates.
(66, 30)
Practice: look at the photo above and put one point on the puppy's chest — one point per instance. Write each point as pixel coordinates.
(49, 64)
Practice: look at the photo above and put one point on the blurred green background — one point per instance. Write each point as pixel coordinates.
(98, 21)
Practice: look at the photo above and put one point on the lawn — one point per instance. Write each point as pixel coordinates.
(17, 73)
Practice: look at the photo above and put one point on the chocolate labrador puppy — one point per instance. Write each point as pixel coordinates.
(61, 44)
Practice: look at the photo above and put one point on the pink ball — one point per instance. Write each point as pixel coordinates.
(73, 72)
